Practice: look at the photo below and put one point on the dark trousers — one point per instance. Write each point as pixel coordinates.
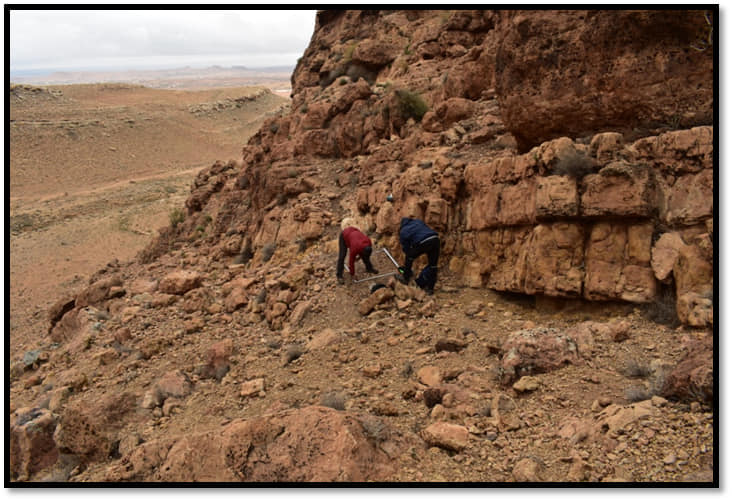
(342, 249)
(428, 278)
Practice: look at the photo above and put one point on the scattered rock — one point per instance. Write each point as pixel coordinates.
(324, 338)
(32, 446)
(174, 384)
(447, 436)
(180, 282)
(252, 388)
(429, 376)
(451, 344)
(379, 297)
(433, 396)
(528, 470)
(526, 384)
(535, 351)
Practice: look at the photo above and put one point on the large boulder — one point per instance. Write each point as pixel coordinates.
(534, 351)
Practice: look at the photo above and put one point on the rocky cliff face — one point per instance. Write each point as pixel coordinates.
(468, 118)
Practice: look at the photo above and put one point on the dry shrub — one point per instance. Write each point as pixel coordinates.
(636, 368)
(335, 400)
(576, 164)
(411, 104)
(663, 309)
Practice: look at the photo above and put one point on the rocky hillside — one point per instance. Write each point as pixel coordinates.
(568, 165)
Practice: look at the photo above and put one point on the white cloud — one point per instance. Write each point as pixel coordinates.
(67, 38)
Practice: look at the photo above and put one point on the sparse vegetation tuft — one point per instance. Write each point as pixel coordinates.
(411, 104)
(576, 165)
(637, 394)
(176, 217)
(334, 400)
(663, 309)
(636, 369)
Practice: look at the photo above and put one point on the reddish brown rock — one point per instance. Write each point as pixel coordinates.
(376, 298)
(180, 282)
(446, 435)
(593, 76)
(324, 338)
(618, 263)
(237, 298)
(87, 429)
(217, 358)
(692, 379)
(98, 291)
(619, 189)
(252, 388)
(32, 447)
(664, 254)
(556, 196)
(606, 146)
(535, 351)
(174, 384)
(312, 444)
(528, 470)
(429, 375)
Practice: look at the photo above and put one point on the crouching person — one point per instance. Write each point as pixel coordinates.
(416, 239)
(358, 246)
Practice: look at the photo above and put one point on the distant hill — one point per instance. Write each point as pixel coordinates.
(178, 78)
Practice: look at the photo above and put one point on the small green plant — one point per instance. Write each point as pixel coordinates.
(343, 81)
(411, 104)
(176, 217)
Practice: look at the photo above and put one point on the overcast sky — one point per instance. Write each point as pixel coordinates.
(146, 39)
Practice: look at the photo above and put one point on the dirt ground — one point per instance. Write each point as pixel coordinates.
(97, 169)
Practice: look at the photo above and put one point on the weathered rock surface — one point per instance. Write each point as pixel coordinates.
(535, 351)
(573, 73)
(313, 444)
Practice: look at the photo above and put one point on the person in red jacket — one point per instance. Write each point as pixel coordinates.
(358, 245)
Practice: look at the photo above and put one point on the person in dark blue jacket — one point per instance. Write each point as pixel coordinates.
(417, 238)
